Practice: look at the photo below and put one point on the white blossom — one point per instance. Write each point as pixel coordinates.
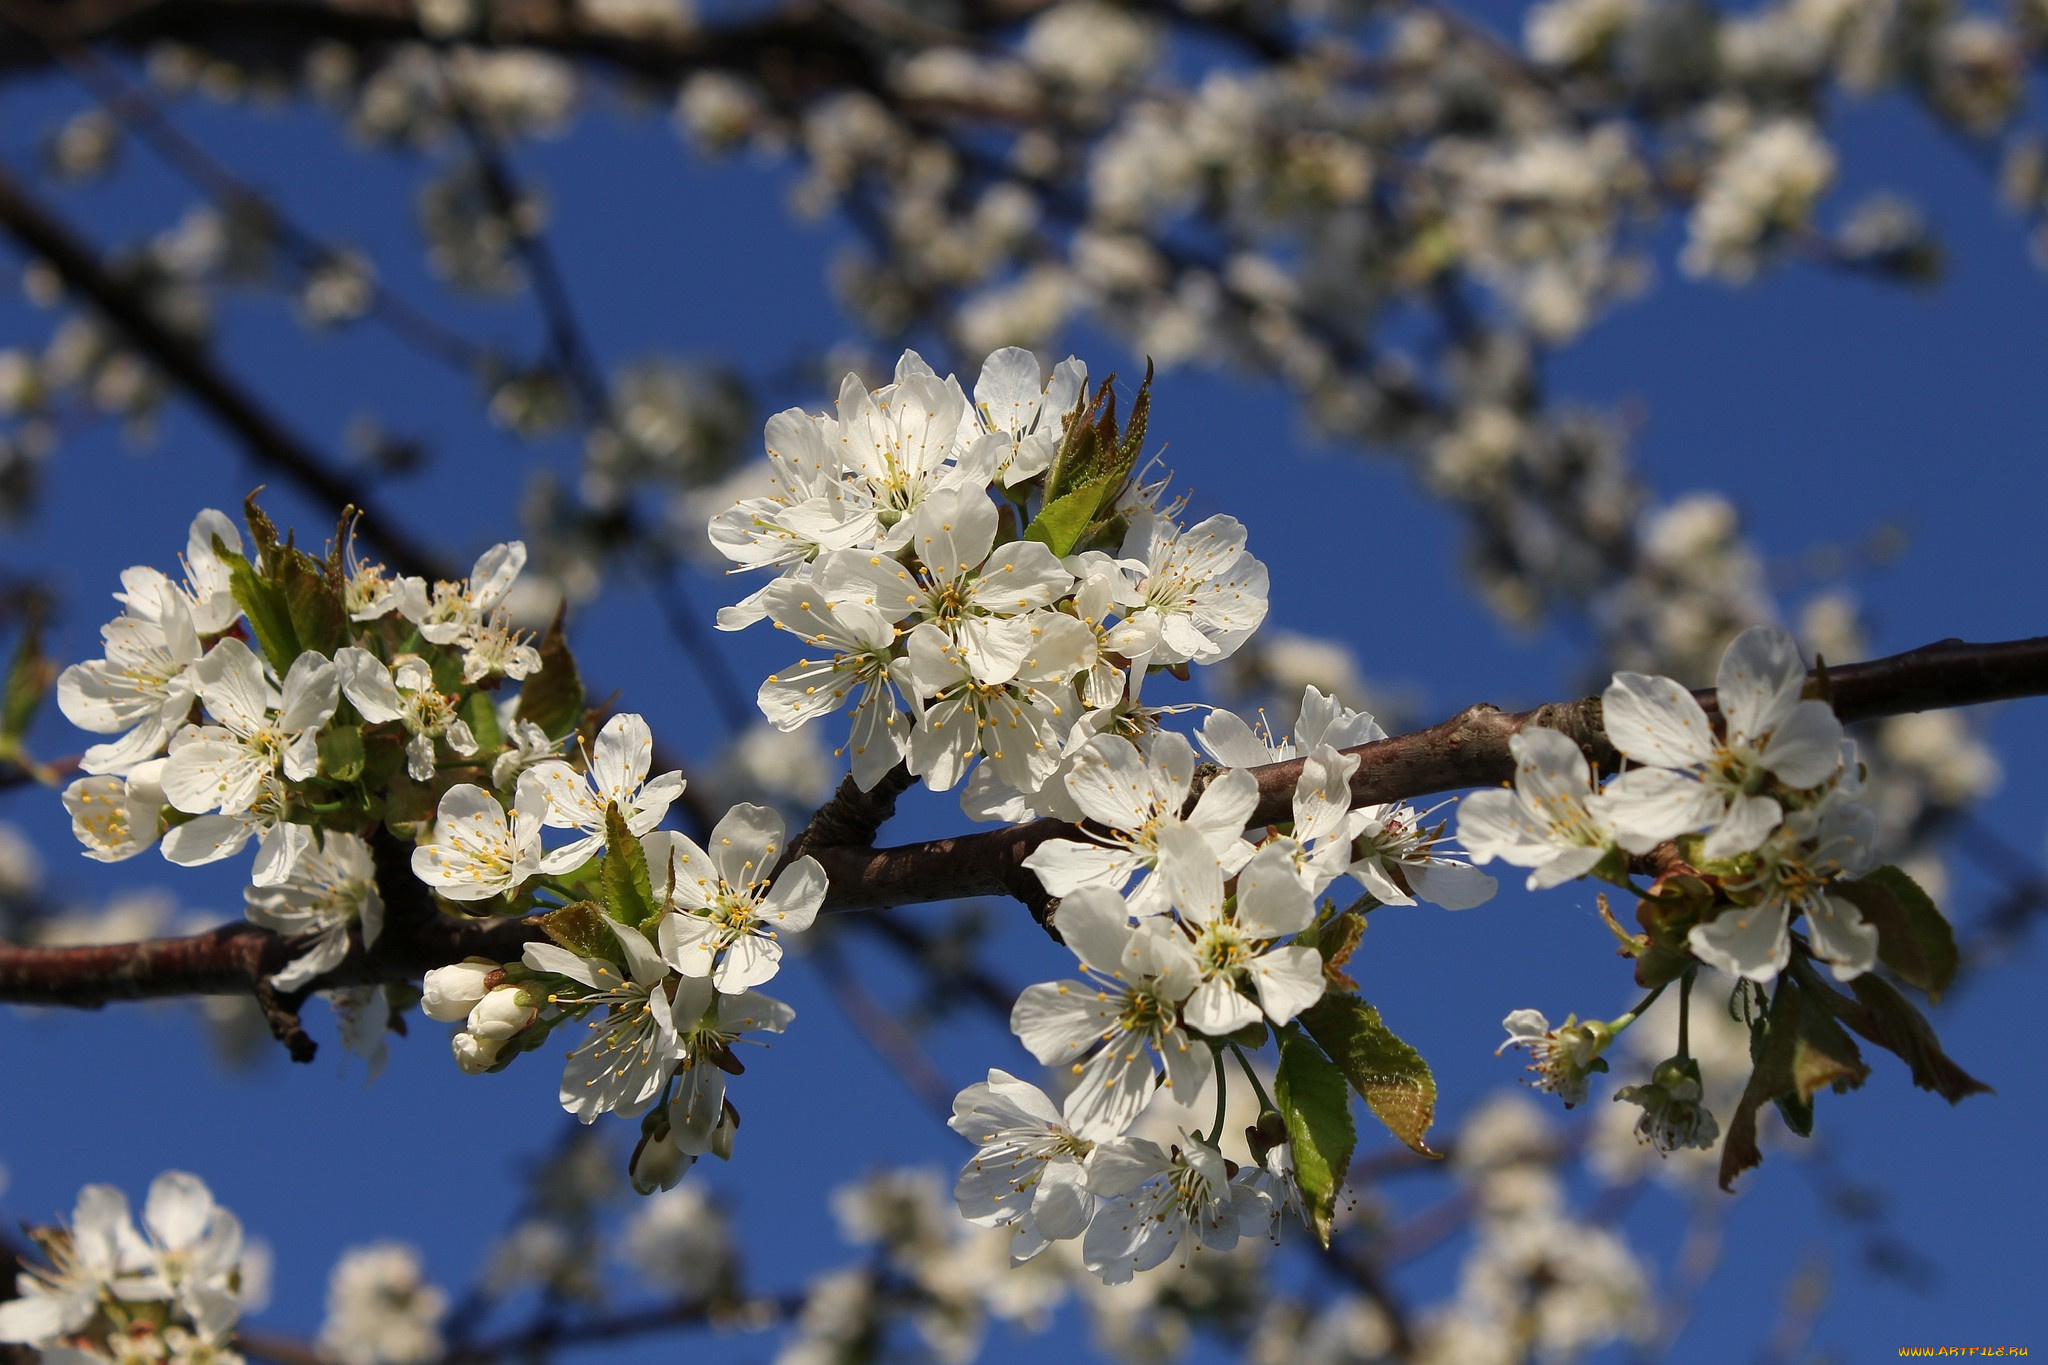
(117, 817)
(1027, 1175)
(982, 596)
(632, 1050)
(1551, 821)
(1135, 794)
(855, 643)
(207, 593)
(1793, 868)
(143, 686)
(1017, 724)
(1108, 1031)
(726, 909)
(99, 1248)
(224, 767)
(1561, 1058)
(1013, 399)
(1699, 781)
(332, 888)
(476, 850)
(1203, 591)
(1242, 946)
(404, 692)
(709, 1022)
(1163, 1205)
(617, 776)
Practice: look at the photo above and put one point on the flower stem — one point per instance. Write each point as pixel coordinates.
(1215, 1138)
(1265, 1100)
(1685, 1012)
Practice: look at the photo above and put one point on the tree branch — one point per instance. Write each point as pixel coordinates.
(1468, 750)
(187, 362)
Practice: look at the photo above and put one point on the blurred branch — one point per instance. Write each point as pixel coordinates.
(1469, 750)
(186, 361)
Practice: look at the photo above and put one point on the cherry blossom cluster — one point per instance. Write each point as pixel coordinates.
(984, 583)
(235, 726)
(110, 1294)
(1761, 816)
(1193, 942)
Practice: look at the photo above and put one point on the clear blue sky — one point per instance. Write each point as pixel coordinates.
(1824, 405)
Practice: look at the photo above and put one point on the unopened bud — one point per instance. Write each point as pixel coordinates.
(503, 1011)
(448, 994)
(473, 1054)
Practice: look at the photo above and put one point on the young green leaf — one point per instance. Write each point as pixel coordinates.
(341, 752)
(628, 894)
(263, 602)
(1061, 523)
(1313, 1099)
(29, 677)
(1884, 1016)
(1390, 1075)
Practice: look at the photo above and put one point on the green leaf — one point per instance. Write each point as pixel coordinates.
(318, 614)
(29, 676)
(1913, 938)
(628, 896)
(1061, 523)
(553, 697)
(263, 602)
(582, 929)
(482, 718)
(1884, 1016)
(1390, 1075)
(1310, 1092)
(1073, 464)
(341, 752)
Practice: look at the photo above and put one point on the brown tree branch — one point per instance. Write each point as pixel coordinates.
(1468, 750)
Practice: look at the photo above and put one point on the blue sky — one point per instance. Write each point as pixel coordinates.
(1823, 405)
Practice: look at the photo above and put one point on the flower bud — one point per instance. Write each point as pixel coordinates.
(503, 1011)
(658, 1163)
(475, 1055)
(448, 994)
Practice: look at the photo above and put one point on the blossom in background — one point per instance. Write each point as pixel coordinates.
(477, 850)
(1696, 780)
(1552, 821)
(618, 765)
(332, 887)
(726, 909)
(382, 1309)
